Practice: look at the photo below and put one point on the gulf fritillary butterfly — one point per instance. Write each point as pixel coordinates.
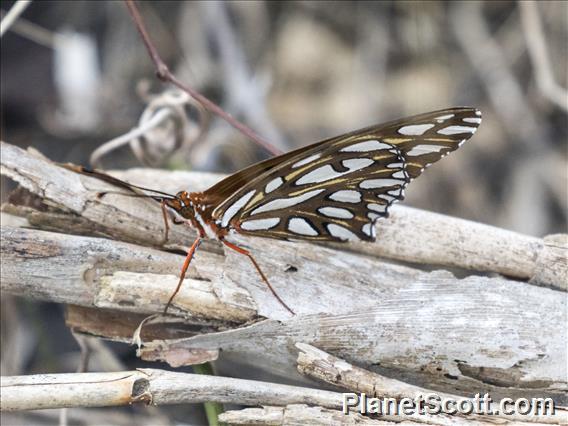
(333, 190)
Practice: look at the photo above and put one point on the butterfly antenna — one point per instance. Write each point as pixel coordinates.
(113, 180)
(134, 195)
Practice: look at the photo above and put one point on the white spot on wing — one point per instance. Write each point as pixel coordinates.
(395, 165)
(475, 120)
(260, 224)
(273, 184)
(320, 174)
(455, 130)
(341, 232)
(306, 160)
(282, 203)
(335, 212)
(369, 229)
(444, 117)
(366, 146)
(373, 216)
(323, 173)
(380, 208)
(425, 149)
(235, 207)
(346, 196)
(357, 163)
(401, 174)
(378, 183)
(478, 113)
(300, 226)
(415, 129)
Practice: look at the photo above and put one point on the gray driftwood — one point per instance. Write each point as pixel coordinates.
(325, 367)
(462, 336)
(151, 386)
(299, 415)
(409, 235)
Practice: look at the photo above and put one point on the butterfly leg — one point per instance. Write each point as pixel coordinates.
(174, 220)
(166, 224)
(188, 258)
(247, 254)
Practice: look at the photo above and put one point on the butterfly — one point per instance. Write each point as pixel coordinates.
(333, 190)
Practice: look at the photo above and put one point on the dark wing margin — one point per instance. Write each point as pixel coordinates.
(337, 188)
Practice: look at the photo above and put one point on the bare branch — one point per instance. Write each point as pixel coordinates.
(409, 235)
(159, 118)
(165, 74)
(12, 16)
(243, 91)
(320, 365)
(538, 52)
(502, 86)
(112, 275)
(153, 386)
(299, 414)
(360, 307)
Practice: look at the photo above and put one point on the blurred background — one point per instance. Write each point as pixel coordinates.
(75, 75)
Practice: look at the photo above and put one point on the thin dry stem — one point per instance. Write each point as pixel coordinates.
(164, 74)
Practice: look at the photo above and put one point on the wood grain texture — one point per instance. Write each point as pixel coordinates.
(408, 235)
(109, 274)
(298, 414)
(151, 386)
(458, 335)
(330, 369)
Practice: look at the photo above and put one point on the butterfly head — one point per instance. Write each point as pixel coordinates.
(182, 204)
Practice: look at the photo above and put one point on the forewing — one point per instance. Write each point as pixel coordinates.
(336, 189)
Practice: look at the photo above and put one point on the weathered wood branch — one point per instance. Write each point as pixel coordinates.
(409, 235)
(471, 337)
(428, 328)
(114, 275)
(98, 273)
(320, 365)
(150, 386)
(330, 369)
(298, 415)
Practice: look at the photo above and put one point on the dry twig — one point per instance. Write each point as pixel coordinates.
(151, 386)
(325, 367)
(353, 305)
(165, 74)
(12, 16)
(538, 52)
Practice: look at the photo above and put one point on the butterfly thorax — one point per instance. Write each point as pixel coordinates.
(193, 207)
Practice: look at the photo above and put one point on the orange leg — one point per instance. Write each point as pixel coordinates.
(247, 253)
(188, 258)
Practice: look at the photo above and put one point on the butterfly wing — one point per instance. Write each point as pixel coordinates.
(335, 190)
